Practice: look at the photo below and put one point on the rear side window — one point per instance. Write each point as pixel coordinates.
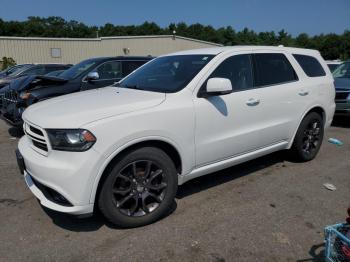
(238, 69)
(272, 69)
(310, 65)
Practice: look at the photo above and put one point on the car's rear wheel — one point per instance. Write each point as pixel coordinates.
(139, 189)
(308, 139)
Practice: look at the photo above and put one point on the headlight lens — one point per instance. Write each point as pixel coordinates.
(76, 140)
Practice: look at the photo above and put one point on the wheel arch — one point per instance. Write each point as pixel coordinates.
(164, 144)
(318, 109)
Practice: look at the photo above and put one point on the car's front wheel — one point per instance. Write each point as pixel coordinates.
(308, 139)
(139, 189)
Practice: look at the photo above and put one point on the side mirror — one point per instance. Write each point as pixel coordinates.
(92, 76)
(218, 86)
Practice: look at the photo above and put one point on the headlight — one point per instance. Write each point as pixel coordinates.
(24, 95)
(76, 140)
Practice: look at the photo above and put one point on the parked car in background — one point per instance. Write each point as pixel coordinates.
(342, 87)
(11, 70)
(32, 69)
(333, 64)
(124, 149)
(18, 82)
(88, 74)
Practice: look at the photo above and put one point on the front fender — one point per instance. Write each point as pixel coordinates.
(112, 155)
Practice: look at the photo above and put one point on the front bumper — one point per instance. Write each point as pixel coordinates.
(343, 107)
(70, 174)
(342, 103)
(73, 210)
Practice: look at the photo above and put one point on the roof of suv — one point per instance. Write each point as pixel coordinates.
(217, 50)
(128, 58)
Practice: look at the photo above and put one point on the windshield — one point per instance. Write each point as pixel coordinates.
(168, 74)
(78, 69)
(18, 70)
(342, 71)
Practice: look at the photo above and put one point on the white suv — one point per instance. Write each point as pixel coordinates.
(125, 149)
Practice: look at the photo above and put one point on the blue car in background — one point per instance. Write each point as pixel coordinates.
(342, 85)
(12, 70)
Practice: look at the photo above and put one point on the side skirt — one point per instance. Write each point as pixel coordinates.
(235, 160)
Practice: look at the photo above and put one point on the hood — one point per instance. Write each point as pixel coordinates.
(18, 82)
(50, 79)
(33, 81)
(7, 79)
(75, 110)
(342, 83)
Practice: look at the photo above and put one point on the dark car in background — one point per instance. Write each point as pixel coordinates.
(32, 69)
(342, 85)
(88, 74)
(333, 64)
(12, 70)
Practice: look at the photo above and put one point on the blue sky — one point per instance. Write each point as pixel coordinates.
(295, 16)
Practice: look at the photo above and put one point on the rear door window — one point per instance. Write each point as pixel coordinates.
(310, 65)
(272, 69)
(238, 69)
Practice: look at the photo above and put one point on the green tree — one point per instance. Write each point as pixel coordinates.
(331, 46)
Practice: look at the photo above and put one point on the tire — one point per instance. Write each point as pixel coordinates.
(140, 189)
(308, 139)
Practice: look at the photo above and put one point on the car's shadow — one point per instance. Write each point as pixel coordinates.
(194, 186)
(223, 176)
(341, 121)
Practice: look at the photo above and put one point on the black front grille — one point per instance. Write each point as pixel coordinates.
(40, 145)
(52, 194)
(342, 95)
(33, 138)
(36, 131)
(11, 96)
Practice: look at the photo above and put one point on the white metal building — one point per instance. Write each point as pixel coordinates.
(73, 50)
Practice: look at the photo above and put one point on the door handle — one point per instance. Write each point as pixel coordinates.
(303, 93)
(253, 102)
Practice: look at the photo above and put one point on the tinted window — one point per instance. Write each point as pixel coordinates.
(167, 74)
(238, 69)
(310, 65)
(110, 70)
(272, 69)
(129, 66)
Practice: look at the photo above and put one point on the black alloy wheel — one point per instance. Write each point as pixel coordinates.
(308, 139)
(139, 188)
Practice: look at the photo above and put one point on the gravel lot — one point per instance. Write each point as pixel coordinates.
(268, 209)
